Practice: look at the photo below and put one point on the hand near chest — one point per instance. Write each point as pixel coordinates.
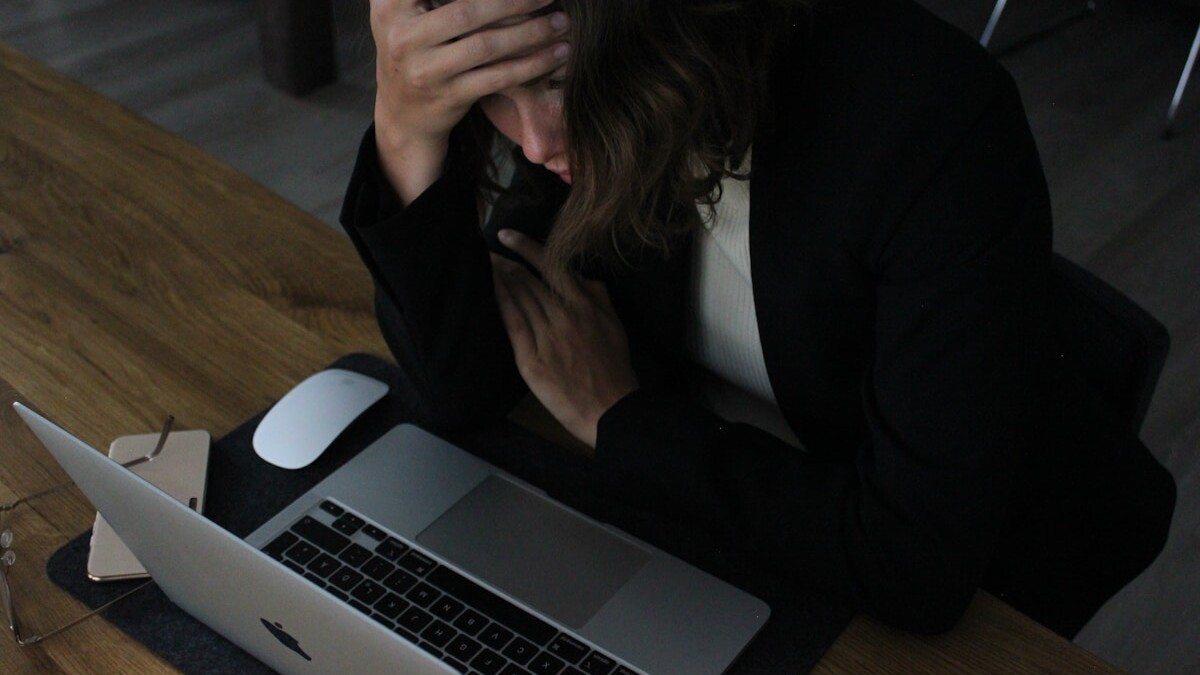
(569, 345)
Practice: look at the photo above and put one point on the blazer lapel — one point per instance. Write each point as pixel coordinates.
(813, 305)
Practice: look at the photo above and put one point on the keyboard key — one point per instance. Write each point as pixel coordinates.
(324, 565)
(391, 605)
(294, 567)
(320, 534)
(509, 615)
(417, 563)
(598, 664)
(280, 544)
(348, 523)
(337, 594)
(316, 580)
(439, 633)
(495, 636)
(400, 581)
(568, 649)
(369, 592)
(374, 532)
(355, 555)
(332, 509)
(504, 640)
(415, 619)
(302, 552)
(546, 664)
(391, 549)
(520, 650)
(471, 622)
(488, 662)
(378, 568)
(446, 608)
(423, 595)
(345, 579)
(463, 648)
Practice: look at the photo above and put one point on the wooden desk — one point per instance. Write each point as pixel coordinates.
(140, 277)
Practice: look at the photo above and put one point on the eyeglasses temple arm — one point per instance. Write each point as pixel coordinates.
(34, 639)
(158, 447)
(48, 491)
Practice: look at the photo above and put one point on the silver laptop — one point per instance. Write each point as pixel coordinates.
(417, 557)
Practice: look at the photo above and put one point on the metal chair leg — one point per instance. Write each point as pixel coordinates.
(991, 24)
(990, 29)
(1179, 89)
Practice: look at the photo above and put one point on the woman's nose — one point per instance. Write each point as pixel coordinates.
(539, 138)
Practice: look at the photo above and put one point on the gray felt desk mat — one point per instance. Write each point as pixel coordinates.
(244, 491)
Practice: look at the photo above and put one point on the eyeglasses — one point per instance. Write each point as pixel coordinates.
(8, 556)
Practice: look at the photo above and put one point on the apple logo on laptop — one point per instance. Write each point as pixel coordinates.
(283, 636)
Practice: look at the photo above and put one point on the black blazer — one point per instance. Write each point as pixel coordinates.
(900, 236)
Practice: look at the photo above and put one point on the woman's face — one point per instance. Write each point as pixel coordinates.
(530, 115)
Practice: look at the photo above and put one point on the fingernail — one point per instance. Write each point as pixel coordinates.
(506, 237)
(558, 21)
(561, 52)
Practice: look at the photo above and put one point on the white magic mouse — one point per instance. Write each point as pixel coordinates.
(302, 424)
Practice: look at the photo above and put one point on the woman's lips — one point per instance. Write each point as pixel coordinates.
(563, 173)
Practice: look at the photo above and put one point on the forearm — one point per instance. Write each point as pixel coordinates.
(410, 164)
(904, 536)
(434, 298)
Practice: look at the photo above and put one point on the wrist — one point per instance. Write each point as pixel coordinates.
(590, 426)
(411, 162)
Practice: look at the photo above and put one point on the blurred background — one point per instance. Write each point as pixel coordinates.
(1096, 85)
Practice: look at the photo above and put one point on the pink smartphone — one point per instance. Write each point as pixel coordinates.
(180, 470)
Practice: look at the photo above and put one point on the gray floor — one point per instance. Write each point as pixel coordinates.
(193, 67)
(1127, 205)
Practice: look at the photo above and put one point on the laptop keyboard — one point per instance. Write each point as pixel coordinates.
(448, 615)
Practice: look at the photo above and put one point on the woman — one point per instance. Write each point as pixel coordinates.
(837, 364)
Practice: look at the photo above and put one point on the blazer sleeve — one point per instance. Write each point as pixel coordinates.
(905, 528)
(433, 293)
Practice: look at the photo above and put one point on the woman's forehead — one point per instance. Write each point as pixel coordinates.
(503, 23)
(552, 7)
(548, 9)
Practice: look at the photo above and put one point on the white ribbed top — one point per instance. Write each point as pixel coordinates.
(721, 325)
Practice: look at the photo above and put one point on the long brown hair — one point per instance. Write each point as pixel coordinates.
(661, 101)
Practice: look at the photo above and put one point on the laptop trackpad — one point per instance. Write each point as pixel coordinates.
(535, 550)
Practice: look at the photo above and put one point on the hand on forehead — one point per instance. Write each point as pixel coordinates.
(462, 19)
(487, 14)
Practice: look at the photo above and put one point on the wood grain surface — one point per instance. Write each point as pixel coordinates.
(140, 277)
